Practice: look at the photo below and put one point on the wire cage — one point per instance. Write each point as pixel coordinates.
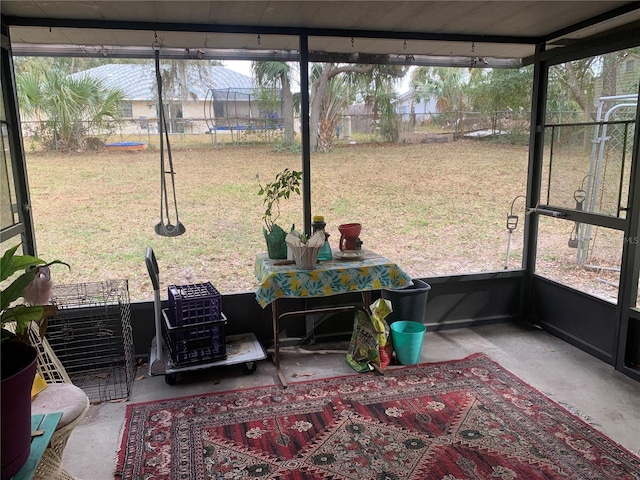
(92, 337)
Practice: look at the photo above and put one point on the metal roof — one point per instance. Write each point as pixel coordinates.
(137, 81)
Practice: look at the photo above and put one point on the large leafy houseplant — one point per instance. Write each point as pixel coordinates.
(17, 356)
(16, 318)
(284, 185)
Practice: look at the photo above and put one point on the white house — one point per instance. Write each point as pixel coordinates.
(216, 97)
(406, 104)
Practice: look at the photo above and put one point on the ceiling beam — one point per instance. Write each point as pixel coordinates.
(28, 50)
(265, 30)
(603, 17)
(419, 60)
(102, 51)
(619, 39)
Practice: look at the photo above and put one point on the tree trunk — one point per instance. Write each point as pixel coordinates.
(287, 107)
(574, 86)
(609, 74)
(318, 89)
(325, 136)
(412, 116)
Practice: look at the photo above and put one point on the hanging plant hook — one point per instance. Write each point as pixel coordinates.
(156, 44)
(512, 224)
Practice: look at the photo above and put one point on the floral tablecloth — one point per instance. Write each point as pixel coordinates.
(330, 277)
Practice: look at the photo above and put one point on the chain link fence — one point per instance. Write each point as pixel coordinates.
(498, 126)
(183, 133)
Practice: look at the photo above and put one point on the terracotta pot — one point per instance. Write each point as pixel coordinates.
(18, 372)
(349, 236)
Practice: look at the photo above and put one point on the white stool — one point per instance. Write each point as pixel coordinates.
(59, 396)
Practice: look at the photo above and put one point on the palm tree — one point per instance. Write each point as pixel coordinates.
(377, 87)
(278, 75)
(443, 83)
(375, 79)
(67, 107)
(336, 99)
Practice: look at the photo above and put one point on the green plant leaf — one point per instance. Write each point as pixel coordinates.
(6, 263)
(23, 315)
(14, 291)
(11, 263)
(284, 184)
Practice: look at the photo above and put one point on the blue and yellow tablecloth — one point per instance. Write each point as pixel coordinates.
(330, 277)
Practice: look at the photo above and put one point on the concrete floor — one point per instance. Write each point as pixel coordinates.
(610, 400)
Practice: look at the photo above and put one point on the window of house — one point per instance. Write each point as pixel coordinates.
(127, 109)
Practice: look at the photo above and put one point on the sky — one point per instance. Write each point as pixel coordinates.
(240, 66)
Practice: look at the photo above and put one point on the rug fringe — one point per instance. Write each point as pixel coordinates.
(308, 352)
(577, 412)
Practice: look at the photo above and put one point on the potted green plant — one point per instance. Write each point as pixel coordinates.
(285, 183)
(17, 355)
(305, 249)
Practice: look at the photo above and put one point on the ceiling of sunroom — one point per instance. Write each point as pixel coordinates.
(438, 29)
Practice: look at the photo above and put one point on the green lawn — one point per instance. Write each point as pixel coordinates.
(433, 208)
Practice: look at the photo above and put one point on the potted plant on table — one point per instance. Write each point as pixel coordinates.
(305, 249)
(17, 355)
(286, 183)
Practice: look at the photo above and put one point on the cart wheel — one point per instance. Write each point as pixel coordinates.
(170, 378)
(249, 367)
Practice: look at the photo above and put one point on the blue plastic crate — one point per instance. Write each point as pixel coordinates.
(194, 303)
(195, 343)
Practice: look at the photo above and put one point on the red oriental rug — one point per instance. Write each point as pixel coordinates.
(465, 419)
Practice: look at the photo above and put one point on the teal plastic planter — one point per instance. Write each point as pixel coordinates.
(407, 337)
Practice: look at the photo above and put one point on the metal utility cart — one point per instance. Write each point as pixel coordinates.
(195, 346)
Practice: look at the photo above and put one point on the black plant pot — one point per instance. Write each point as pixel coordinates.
(18, 372)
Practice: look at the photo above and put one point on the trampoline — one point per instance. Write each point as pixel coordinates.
(126, 146)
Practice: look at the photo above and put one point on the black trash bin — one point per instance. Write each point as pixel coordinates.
(408, 303)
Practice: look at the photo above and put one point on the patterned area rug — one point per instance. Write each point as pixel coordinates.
(465, 419)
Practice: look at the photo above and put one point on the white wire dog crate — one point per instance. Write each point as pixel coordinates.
(92, 337)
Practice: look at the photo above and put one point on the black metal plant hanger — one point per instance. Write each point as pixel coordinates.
(165, 229)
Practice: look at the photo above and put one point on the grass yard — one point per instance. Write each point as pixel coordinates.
(435, 209)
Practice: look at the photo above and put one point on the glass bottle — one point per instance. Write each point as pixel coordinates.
(318, 224)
